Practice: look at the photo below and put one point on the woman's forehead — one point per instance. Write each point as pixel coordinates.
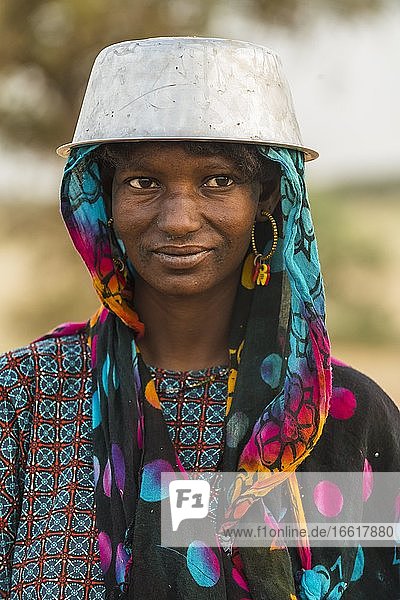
(245, 157)
(147, 148)
(154, 152)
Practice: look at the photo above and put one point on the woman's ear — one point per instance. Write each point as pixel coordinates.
(269, 198)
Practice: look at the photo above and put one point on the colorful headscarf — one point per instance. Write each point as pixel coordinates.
(279, 389)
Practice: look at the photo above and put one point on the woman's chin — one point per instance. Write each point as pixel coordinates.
(184, 284)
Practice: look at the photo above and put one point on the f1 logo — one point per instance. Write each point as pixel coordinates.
(188, 500)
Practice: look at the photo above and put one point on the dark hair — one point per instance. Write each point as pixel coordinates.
(246, 156)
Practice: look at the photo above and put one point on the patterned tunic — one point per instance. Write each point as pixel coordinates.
(193, 405)
(48, 538)
(48, 546)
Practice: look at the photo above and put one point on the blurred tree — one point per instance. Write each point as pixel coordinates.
(48, 46)
(291, 12)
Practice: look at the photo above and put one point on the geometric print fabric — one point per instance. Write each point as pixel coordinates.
(49, 551)
(194, 406)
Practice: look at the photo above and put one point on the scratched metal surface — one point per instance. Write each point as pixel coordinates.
(188, 88)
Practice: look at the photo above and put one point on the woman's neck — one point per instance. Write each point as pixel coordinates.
(185, 333)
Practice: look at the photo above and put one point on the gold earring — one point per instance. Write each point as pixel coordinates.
(262, 268)
(119, 264)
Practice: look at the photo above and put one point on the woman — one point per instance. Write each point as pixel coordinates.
(209, 351)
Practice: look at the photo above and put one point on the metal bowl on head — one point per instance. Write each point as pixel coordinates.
(187, 88)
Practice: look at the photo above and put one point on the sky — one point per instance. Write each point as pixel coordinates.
(345, 82)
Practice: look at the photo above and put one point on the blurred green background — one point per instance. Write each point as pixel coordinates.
(46, 50)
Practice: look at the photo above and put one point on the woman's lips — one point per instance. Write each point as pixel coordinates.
(181, 257)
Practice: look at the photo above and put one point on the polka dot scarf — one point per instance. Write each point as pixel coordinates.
(278, 396)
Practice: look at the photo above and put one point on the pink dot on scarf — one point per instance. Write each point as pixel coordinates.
(239, 579)
(107, 479)
(328, 498)
(343, 403)
(368, 480)
(397, 508)
(105, 551)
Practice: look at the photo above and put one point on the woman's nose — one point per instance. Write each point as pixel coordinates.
(179, 213)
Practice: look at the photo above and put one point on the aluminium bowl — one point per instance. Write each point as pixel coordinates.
(187, 88)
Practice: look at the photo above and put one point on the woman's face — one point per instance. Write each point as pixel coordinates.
(185, 219)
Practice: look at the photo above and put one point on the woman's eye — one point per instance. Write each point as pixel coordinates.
(219, 181)
(143, 183)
